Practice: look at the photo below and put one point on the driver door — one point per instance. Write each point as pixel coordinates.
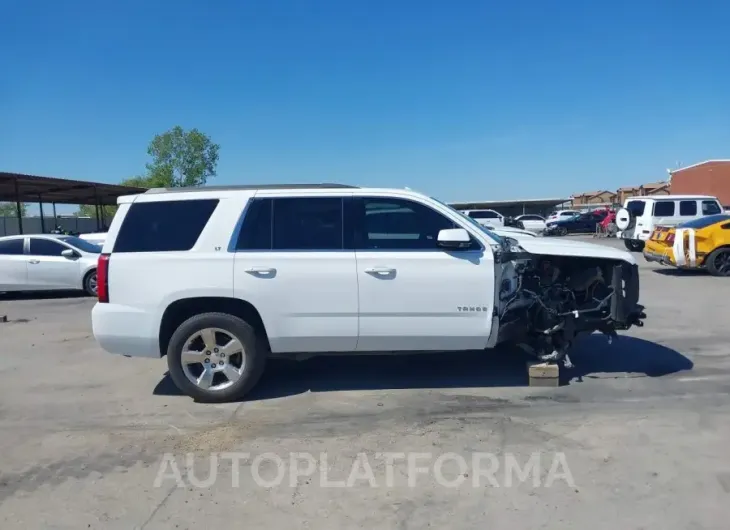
(414, 295)
(48, 269)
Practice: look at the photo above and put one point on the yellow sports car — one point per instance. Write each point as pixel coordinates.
(703, 243)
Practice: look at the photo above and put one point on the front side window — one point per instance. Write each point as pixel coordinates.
(11, 247)
(710, 208)
(664, 208)
(688, 208)
(45, 247)
(397, 224)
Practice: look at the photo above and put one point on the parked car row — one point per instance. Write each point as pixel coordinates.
(48, 262)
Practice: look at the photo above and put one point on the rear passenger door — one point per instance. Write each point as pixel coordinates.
(291, 263)
(13, 265)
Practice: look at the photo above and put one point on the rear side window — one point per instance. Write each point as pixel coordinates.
(688, 208)
(636, 208)
(710, 208)
(164, 226)
(11, 247)
(663, 208)
(256, 229)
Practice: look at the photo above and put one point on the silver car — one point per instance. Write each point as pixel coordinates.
(46, 262)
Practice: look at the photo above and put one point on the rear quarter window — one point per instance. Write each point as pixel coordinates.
(164, 226)
(636, 208)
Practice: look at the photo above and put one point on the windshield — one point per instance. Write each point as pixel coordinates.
(473, 222)
(81, 244)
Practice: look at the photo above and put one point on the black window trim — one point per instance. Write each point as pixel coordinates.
(673, 202)
(233, 243)
(348, 236)
(475, 239)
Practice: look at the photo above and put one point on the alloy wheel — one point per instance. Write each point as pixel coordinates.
(213, 359)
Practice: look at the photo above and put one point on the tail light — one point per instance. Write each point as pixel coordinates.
(670, 238)
(102, 278)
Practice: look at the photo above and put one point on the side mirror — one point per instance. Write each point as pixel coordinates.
(69, 254)
(454, 238)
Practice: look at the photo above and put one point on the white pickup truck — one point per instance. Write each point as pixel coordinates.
(220, 279)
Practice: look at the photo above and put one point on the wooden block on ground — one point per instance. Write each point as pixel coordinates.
(543, 374)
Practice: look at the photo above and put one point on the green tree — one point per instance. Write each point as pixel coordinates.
(8, 209)
(181, 158)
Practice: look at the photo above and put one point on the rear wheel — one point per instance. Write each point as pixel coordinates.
(634, 245)
(718, 262)
(562, 231)
(215, 357)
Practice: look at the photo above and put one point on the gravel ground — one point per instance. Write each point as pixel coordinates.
(637, 437)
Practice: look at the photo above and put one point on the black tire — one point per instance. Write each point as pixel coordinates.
(634, 246)
(718, 262)
(563, 231)
(90, 285)
(255, 352)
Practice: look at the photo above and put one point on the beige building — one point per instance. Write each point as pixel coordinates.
(652, 188)
(590, 198)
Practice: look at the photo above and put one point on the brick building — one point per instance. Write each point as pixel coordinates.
(711, 177)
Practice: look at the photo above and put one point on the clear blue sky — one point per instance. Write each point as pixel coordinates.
(462, 99)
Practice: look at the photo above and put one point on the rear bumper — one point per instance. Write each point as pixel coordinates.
(125, 330)
(655, 256)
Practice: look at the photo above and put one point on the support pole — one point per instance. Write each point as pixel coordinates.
(55, 219)
(96, 200)
(40, 205)
(17, 207)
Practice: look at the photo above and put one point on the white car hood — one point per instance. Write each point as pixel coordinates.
(561, 247)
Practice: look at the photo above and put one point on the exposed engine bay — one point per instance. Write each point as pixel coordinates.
(545, 302)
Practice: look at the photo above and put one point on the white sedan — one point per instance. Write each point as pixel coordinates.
(46, 262)
(533, 223)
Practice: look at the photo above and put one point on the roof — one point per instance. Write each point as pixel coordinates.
(32, 188)
(669, 197)
(475, 205)
(720, 160)
(252, 187)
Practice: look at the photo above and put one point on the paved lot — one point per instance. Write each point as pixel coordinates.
(643, 427)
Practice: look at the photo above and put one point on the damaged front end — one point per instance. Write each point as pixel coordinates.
(546, 300)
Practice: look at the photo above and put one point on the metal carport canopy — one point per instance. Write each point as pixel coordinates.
(17, 187)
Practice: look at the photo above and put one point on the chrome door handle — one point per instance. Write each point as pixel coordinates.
(261, 270)
(380, 270)
(34, 261)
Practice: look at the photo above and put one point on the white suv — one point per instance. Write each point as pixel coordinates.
(220, 279)
(641, 215)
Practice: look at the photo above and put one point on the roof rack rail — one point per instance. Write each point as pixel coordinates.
(322, 185)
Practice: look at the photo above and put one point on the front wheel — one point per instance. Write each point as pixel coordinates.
(718, 262)
(633, 245)
(215, 357)
(90, 284)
